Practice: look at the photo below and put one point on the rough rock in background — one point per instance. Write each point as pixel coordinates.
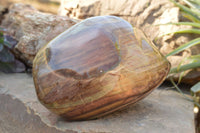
(50, 6)
(143, 14)
(32, 29)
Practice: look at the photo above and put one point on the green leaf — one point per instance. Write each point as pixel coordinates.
(181, 77)
(196, 88)
(5, 43)
(183, 23)
(185, 46)
(194, 58)
(193, 31)
(190, 17)
(186, 67)
(1, 40)
(187, 10)
(193, 6)
(197, 2)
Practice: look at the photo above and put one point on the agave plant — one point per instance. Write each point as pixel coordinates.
(192, 12)
(190, 9)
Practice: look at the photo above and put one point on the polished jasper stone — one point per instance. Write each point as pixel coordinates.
(97, 66)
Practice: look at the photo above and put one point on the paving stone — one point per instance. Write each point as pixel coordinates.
(163, 111)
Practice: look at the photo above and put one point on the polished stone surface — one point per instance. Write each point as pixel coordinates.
(96, 67)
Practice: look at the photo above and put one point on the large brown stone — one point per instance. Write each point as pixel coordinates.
(32, 29)
(163, 111)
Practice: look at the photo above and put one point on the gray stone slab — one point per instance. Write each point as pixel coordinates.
(163, 111)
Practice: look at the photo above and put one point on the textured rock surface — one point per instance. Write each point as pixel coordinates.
(163, 111)
(50, 6)
(142, 14)
(32, 29)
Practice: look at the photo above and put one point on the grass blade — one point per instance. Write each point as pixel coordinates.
(181, 92)
(194, 31)
(184, 46)
(187, 10)
(190, 17)
(194, 57)
(185, 67)
(183, 23)
(192, 5)
(181, 77)
(196, 2)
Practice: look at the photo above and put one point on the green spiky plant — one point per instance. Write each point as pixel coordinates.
(192, 13)
(190, 9)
